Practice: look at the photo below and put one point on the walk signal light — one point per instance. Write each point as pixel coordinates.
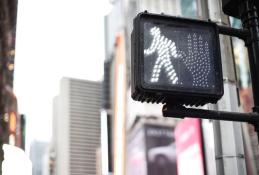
(175, 60)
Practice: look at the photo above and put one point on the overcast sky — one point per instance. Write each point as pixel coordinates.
(55, 38)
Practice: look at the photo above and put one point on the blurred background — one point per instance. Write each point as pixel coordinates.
(66, 104)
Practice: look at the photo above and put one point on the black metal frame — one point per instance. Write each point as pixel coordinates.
(142, 91)
(250, 34)
(182, 112)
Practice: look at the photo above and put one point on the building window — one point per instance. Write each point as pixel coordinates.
(189, 8)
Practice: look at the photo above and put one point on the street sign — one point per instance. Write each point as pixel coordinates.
(175, 60)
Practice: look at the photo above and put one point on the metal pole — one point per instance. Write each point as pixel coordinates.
(250, 22)
(182, 112)
(240, 33)
(227, 135)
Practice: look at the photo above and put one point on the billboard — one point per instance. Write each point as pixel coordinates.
(136, 158)
(151, 149)
(160, 150)
(189, 147)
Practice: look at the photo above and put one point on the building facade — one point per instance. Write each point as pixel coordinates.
(37, 151)
(10, 121)
(76, 127)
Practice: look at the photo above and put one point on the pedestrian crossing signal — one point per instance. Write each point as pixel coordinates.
(175, 60)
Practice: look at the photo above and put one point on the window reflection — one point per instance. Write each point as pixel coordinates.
(189, 8)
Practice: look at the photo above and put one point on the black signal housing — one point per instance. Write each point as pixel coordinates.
(175, 60)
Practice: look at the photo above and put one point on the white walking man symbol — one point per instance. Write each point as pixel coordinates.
(196, 60)
(164, 48)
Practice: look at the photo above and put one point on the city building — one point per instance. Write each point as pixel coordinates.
(76, 127)
(37, 151)
(8, 106)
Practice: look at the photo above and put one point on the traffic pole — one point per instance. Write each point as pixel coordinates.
(228, 139)
(250, 21)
